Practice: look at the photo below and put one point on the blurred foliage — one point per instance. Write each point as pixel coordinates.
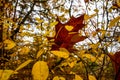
(28, 33)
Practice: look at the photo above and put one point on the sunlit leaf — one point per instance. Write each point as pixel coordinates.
(114, 21)
(9, 44)
(23, 65)
(60, 53)
(69, 28)
(58, 78)
(5, 74)
(77, 77)
(91, 77)
(41, 51)
(40, 70)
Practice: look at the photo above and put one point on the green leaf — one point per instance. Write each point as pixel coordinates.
(40, 70)
(24, 64)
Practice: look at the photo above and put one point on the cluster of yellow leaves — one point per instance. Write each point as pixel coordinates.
(9, 44)
(90, 57)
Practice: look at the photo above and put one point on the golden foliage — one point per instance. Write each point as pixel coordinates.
(40, 70)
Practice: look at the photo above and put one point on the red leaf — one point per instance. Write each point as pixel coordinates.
(66, 39)
(116, 63)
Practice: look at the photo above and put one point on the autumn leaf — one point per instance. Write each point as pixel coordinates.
(89, 56)
(9, 44)
(69, 28)
(114, 21)
(24, 50)
(39, 53)
(115, 58)
(91, 77)
(58, 78)
(40, 70)
(23, 65)
(63, 37)
(77, 77)
(5, 74)
(60, 53)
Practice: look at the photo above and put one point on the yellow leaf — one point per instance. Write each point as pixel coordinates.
(25, 50)
(60, 54)
(64, 50)
(9, 44)
(77, 77)
(40, 70)
(89, 56)
(72, 64)
(91, 77)
(39, 53)
(69, 28)
(113, 22)
(23, 64)
(87, 17)
(118, 2)
(39, 20)
(53, 24)
(5, 74)
(58, 78)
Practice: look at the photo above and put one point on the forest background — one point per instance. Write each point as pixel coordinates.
(59, 39)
